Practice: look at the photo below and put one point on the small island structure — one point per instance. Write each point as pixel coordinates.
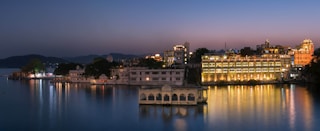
(167, 95)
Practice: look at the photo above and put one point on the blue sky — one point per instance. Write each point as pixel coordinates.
(71, 28)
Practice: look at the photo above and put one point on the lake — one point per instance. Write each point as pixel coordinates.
(40, 105)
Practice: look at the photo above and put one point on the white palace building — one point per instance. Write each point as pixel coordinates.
(145, 76)
(167, 95)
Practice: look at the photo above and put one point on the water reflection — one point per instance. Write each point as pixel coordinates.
(261, 106)
(62, 106)
(169, 112)
(178, 118)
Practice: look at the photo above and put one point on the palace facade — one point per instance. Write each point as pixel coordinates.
(234, 68)
(167, 95)
(145, 76)
(304, 53)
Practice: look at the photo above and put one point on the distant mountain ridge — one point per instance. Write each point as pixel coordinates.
(89, 58)
(19, 61)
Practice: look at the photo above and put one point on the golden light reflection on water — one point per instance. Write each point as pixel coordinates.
(238, 105)
(270, 104)
(180, 124)
(170, 112)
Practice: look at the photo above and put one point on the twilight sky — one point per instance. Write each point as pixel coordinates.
(72, 28)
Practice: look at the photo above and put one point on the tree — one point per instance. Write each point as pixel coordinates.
(312, 71)
(193, 75)
(64, 68)
(98, 67)
(317, 52)
(196, 57)
(34, 66)
(150, 63)
(246, 51)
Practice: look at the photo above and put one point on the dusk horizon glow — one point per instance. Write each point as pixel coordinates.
(76, 28)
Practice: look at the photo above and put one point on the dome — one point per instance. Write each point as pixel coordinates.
(307, 41)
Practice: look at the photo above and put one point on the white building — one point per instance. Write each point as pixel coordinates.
(168, 95)
(77, 76)
(168, 57)
(145, 76)
(179, 55)
(133, 76)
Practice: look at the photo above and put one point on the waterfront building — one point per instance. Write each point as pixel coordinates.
(303, 54)
(120, 75)
(292, 60)
(234, 68)
(76, 76)
(179, 55)
(103, 79)
(145, 76)
(168, 95)
(156, 76)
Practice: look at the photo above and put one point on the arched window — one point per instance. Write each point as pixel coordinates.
(182, 97)
(174, 97)
(191, 97)
(159, 97)
(143, 97)
(151, 97)
(166, 97)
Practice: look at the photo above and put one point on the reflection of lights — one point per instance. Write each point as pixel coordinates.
(93, 90)
(292, 110)
(183, 111)
(180, 125)
(40, 90)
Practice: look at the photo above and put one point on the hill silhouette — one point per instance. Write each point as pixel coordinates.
(19, 61)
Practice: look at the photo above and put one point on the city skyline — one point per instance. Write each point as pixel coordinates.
(75, 28)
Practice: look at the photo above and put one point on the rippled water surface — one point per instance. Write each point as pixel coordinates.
(41, 105)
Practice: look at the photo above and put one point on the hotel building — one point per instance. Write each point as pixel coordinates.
(234, 68)
(179, 54)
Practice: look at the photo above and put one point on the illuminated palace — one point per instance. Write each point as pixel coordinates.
(303, 53)
(270, 64)
(217, 68)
